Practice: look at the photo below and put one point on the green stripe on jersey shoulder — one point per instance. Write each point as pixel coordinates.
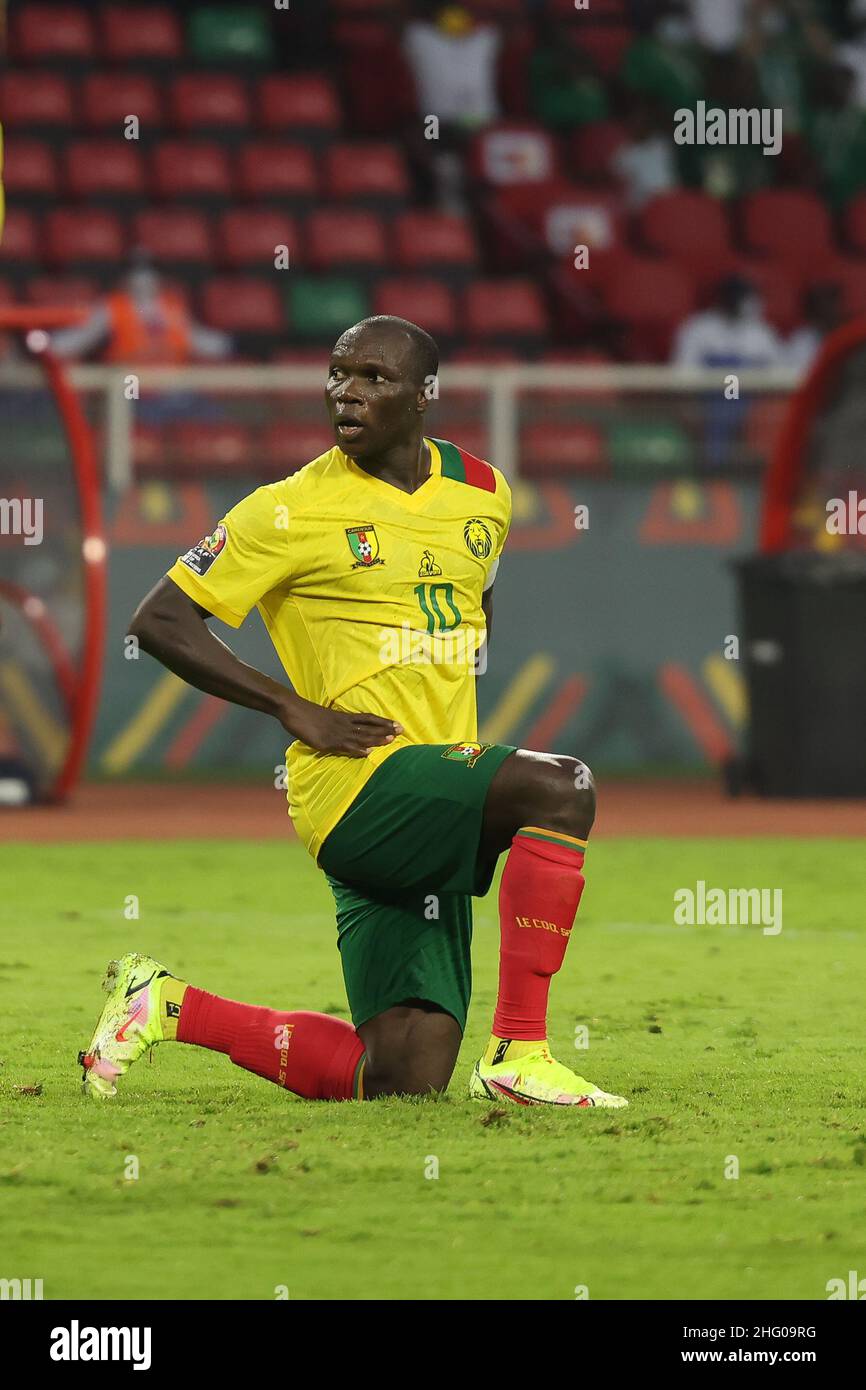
(452, 463)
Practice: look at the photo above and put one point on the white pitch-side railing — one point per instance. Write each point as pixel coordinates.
(504, 387)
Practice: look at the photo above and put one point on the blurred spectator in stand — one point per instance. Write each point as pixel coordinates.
(142, 321)
(453, 60)
(731, 333)
(730, 170)
(564, 91)
(836, 135)
(823, 312)
(666, 63)
(851, 52)
(718, 25)
(645, 163)
(786, 40)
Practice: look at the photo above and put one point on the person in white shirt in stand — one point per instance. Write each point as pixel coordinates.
(731, 333)
(453, 59)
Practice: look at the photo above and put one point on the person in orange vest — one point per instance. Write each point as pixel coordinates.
(141, 322)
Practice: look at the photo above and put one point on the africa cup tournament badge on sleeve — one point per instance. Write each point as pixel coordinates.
(202, 556)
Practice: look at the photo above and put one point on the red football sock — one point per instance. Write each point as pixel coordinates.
(538, 899)
(314, 1055)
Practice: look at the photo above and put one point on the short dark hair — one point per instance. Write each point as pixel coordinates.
(425, 352)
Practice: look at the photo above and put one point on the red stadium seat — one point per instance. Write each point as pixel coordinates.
(83, 234)
(366, 7)
(201, 100)
(250, 236)
(850, 275)
(474, 438)
(650, 297)
(593, 149)
(243, 304)
(497, 10)
(286, 447)
(299, 102)
(555, 449)
(207, 449)
(367, 51)
(646, 287)
(46, 32)
(688, 225)
(365, 171)
(29, 169)
(155, 34)
(269, 170)
(505, 308)
(424, 239)
(191, 168)
(101, 168)
(513, 153)
(108, 98)
(556, 216)
(571, 217)
(512, 75)
(20, 240)
(61, 290)
(336, 237)
(606, 46)
(854, 224)
(427, 302)
(790, 225)
(35, 99)
(174, 234)
(483, 355)
(303, 357)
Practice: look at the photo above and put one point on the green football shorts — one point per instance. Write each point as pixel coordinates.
(403, 864)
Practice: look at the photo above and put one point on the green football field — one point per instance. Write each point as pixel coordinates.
(738, 1050)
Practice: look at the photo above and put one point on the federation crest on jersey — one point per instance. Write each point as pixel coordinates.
(478, 538)
(200, 558)
(467, 753)
(364, 545)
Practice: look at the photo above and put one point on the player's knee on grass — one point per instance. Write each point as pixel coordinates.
(411, 1051)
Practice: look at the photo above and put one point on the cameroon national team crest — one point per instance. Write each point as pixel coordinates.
(364, 545)
(467, 753)
(478, 539)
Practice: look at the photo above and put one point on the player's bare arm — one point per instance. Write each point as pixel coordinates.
(173, 628)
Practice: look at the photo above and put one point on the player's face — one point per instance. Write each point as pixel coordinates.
(372, 400)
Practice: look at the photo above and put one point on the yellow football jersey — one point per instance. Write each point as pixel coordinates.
(371, 597)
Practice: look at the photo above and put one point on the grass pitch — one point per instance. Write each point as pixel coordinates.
(731, 1045)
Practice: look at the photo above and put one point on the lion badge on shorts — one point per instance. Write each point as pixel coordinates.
(467, 753)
